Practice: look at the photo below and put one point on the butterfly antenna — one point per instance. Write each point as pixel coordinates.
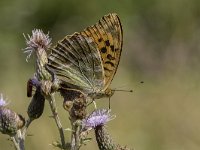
(123, 90)
(141, 82)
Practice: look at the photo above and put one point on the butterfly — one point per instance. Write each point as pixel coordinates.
(88, 60)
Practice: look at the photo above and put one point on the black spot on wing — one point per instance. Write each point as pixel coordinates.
(107, 69)
(100, 40)
(110, 57)
(107, 43)
(112, 48)
(109, 62)
(103, 50)
(116, 49)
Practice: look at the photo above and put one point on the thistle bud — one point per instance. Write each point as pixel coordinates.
(105, 141)
(36, 106)
(75, 103)
(79, 107)
(10, 121)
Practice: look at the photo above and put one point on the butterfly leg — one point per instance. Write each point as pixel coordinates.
(109, 103)
(55, 81)
(95, 105)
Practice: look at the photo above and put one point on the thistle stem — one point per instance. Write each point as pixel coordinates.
(75, 137)
(15, 143)
(52, 104)
(18, 141)
(28, 122)
(21, 140)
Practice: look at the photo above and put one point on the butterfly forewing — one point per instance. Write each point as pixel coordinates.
(76, 62)
(107, 34)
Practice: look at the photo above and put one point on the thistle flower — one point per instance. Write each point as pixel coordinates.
(98, 118)
(37, 40)
(10, 121)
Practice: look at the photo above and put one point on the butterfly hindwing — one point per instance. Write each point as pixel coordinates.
(76, 62)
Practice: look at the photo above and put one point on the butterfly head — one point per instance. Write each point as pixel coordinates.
(109, 92)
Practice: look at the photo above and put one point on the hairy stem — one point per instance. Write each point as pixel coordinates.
(52, 104)
(16, 144)
(75, 137)
(28, 122)
(18, 141)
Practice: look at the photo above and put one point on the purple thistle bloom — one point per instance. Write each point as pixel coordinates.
(98, 118)
(34, 81)
(2, 101)
(37, 40)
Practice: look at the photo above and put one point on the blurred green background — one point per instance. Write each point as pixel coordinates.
(161, 48)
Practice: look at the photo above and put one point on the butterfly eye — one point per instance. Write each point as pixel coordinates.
(110, 57)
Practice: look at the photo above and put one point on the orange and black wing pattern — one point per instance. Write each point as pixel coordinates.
(108, 36)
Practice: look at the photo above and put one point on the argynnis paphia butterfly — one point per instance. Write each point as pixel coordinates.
(87, 61)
